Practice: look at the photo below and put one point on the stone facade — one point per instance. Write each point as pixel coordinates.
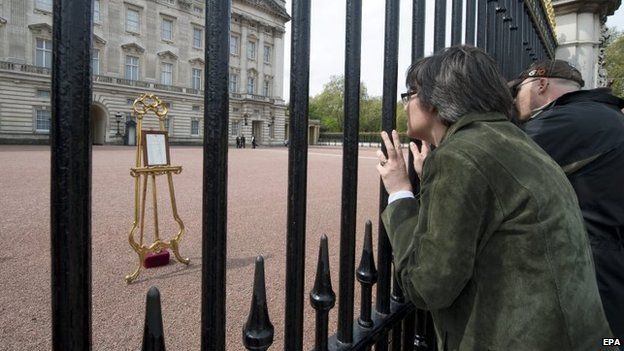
(143, 46)
(580, 31)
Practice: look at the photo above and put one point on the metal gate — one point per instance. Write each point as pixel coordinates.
(514, 32)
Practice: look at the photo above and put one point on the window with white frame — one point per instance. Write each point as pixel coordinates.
(132, 67)
(235, 128)
(266, 88)
(43, 5)
(43, 56)
(42, 121)
(251, 50)
(166, 29)
(251, 85)
(166, 73)
(233, 83)
(95, 61)
(44, 94)
(267, 54)
(194, 127)
(198, 10)
(132, 20)
(233, 45)
(197, 38)
(196, 78)
(96, 10)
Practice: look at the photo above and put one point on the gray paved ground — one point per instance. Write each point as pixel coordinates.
(257, 187)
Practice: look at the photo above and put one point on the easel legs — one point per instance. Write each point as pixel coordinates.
(176, 252)
(131, 277)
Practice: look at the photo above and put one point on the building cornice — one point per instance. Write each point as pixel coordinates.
(269, 6)
(133, 46)
(601, 7)
(40, 27)
(167, 55)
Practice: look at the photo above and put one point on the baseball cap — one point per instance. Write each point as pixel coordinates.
(547, 69)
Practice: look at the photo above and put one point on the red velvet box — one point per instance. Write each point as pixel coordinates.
(156, 259)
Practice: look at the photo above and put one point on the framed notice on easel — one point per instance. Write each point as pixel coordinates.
(155, 148)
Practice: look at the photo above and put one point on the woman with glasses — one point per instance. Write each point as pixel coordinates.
(493, 244)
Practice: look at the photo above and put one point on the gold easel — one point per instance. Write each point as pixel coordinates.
(144, 170)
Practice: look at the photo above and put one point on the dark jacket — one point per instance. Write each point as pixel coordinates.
(583, 132)
(495, 246)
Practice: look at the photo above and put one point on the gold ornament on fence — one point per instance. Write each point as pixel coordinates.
(152, 159)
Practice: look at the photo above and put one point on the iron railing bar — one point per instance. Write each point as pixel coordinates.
(471, 7)
(456, 22)
(297, 174)
(349, 169)
(439, 34)
(214, 202)
(70, 188)
(388, 123)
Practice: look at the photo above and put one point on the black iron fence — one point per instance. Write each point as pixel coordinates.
(515, 32)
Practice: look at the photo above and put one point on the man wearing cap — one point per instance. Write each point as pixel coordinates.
(583, 131)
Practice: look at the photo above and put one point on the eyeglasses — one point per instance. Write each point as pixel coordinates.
(516, 89)
(405, 97)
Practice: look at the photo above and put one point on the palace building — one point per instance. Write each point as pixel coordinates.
(142, 46)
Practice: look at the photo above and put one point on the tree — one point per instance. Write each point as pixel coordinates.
(328, 107)
(614, 63)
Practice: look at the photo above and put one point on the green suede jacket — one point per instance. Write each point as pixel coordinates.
(494, 245)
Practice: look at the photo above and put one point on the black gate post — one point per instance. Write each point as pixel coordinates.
(349, 170)
(70, 188)
(388, 123)
(214, 203)
(297, 173)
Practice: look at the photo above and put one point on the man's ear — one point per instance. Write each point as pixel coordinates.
(543, 85)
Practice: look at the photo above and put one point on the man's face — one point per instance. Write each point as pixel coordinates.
(525, 98)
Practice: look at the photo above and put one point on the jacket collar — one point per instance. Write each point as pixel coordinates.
(472, 118)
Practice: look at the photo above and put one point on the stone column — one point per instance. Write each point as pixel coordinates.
(579, 34)
(243, 56)
(278, 64)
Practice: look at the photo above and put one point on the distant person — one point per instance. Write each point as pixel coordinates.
(583, 131)
(243, 141)
(253, 142)
(493, 244)
(238, 142)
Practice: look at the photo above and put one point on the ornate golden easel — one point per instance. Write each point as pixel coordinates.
(145, 169)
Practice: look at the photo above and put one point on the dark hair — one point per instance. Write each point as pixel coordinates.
(459, 80)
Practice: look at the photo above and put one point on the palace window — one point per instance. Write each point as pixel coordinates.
(266, 88)
(42, 123)
(267, 54)
(43, 5)
(195, 127)
(43, 57)
(233, 83)
(197, 38)
(251, 85)
(233, 45)
(95, 61)
(166, 73)
(251, 50)
(196, 78)
(166, 29)
(132, 67)
(96, 10)
(132, 21)
(235, 128)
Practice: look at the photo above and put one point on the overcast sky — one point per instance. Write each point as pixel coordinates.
(327, 45)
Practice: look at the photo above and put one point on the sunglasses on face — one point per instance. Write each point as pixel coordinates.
(405, 97)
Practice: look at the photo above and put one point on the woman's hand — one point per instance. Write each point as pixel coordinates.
(419, 157)
(392, 169)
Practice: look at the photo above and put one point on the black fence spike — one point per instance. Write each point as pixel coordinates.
(258, 331)
(322, 296)
(367, 276)
(153, 335)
